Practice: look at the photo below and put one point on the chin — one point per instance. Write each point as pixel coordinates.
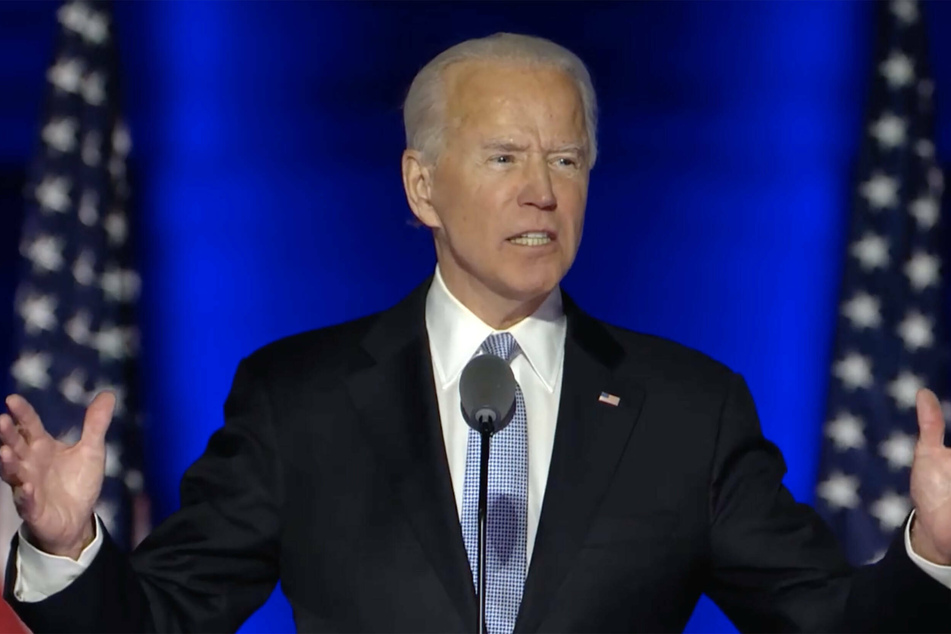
(526, 285)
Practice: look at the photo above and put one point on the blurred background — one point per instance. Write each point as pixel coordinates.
(266, 194)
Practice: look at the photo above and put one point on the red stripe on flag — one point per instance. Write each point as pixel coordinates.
(10, 623)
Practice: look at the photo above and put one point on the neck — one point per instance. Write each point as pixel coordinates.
(496, 311)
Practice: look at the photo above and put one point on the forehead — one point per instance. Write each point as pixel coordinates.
(490, 96)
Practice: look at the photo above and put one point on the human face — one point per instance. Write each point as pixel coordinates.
(513, 162)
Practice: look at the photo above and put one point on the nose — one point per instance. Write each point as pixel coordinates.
(537, 190)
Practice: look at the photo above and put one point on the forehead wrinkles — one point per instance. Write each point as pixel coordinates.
(520, 98)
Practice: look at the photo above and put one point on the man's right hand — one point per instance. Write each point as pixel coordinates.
(55, 485)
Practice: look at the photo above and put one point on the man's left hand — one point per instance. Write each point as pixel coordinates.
(931, 484)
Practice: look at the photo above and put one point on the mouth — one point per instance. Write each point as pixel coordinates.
(533, 238)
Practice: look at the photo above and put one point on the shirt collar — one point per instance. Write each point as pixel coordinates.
(456, 334)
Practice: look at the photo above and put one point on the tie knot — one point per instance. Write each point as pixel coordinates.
(501, 344)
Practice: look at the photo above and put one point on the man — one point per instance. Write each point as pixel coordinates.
(636, 477)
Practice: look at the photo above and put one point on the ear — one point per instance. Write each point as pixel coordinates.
(418, 185)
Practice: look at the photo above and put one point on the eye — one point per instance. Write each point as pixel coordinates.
(503, 159)
(566, 161)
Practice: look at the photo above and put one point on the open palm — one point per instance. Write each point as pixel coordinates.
(55, 485)
(931, 483)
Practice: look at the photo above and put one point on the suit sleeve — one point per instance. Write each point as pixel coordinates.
(775, 565)
(208, 566)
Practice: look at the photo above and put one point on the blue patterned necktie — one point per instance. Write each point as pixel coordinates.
(507, 506)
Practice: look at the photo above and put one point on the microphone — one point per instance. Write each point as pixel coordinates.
(487, 390)
(487, 397)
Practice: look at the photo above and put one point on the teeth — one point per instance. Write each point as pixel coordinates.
(531, 239)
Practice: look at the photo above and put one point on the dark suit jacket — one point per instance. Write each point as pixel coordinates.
(330, 473)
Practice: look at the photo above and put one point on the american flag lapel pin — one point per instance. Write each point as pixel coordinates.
(610, 399)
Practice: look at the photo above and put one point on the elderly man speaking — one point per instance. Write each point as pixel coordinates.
(633, 476)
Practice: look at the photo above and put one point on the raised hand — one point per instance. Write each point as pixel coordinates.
(55, 485)
(931, 484)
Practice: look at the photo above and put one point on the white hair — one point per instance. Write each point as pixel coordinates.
(425, 106)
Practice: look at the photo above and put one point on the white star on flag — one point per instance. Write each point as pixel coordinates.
(924, 148)
(84, 270)
(116, 228)
(840, 491)
(904, 389)
(38, 313)
(922, 270)
(871, 251)
(71, 436)
(925, 210)
(60, 134)
(846, 432)
(936, 180)
(134, 480)
(120, 285)
(32, 369)
(106, 510)
(121, 140)
(97, 28)
(890, 131)
(881, 191)
(78, 328)
(876, 557)
(73, 387)
(79, 18)
(905, 10)
(113, 467)
(898, 70)
(899, 450)
(46, 253)
(53, 193)
(72, 15)
(854, 371)
(863, 310)
(66, 75)
(94, 89)
(915, 331)
(110, 341)
(891, 510)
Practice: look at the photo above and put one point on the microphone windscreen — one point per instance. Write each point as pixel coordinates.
(487, 393)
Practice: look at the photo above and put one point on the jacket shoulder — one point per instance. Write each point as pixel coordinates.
(661, 362)
(329, 349)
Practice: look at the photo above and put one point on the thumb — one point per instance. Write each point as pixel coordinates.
(98, 417)
(930, 419)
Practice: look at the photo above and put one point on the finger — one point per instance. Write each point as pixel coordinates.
(9, 467)
(24, 499)
(930, 419)
(98, 417)
(25, 416)
(11, 436)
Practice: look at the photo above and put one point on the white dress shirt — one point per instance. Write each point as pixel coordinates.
(455, 336)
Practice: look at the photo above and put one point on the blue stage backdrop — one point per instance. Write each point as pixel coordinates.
(266, 154)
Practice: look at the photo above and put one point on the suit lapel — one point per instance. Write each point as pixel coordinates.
(590, 438)
(396, 398)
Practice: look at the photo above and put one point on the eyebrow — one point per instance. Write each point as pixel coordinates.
(508, 146)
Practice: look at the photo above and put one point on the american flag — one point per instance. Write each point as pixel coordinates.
(891, 335)
(75, 300)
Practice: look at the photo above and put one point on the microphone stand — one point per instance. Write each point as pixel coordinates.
(486, 433)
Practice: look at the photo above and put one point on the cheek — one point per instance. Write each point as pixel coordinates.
(572, 200)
